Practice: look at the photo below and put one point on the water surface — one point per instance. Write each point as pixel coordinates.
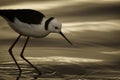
(92, 26)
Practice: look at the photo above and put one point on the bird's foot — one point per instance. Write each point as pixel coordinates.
(36, 76)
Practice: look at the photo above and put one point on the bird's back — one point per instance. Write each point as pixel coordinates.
(26, 22)
(25, 15)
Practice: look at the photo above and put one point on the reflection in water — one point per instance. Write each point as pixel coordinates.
(9, 69)
(58, 59)
(105, 26)
(40, 5)
(49, 4)
(63, 59)
(63, 70)
(111, 52)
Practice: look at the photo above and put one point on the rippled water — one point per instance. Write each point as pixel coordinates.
(60, 66)
(92, 26)
(62, 72)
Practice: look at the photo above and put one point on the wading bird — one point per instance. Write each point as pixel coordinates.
(30, 23)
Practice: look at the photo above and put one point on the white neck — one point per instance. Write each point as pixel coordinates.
(44, 20)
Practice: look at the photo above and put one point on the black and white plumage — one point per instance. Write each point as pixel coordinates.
(30, 23)
(25, 15)
(26, 22)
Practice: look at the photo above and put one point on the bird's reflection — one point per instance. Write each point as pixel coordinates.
(64, 71)
(19, 75)
(9, 68)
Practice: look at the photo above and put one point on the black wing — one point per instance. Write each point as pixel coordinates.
(25, 15)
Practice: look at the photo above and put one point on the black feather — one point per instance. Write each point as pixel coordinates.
(47, 22)
(25, 15)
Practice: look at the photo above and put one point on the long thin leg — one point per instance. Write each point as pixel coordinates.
(11, 53)
(22, 56)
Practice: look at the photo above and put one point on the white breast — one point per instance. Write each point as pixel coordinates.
(34, 30)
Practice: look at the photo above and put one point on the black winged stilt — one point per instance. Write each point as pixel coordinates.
(30, 23)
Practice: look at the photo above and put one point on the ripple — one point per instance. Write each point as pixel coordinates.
(62, 71)
(103, 26)
(60, 60)
(63, 59)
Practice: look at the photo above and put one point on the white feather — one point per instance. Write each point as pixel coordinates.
(34, 30)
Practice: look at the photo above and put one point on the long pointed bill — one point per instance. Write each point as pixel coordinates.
(65, 37)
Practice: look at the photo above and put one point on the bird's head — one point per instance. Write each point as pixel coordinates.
(54, 26)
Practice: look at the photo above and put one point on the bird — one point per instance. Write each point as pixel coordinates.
(30, 23)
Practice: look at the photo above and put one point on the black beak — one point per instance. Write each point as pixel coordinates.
(65, 38)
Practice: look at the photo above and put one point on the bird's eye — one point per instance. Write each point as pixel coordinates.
(56, 27)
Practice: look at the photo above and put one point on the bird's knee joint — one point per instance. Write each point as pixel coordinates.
(22, 56)
(10, 50)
